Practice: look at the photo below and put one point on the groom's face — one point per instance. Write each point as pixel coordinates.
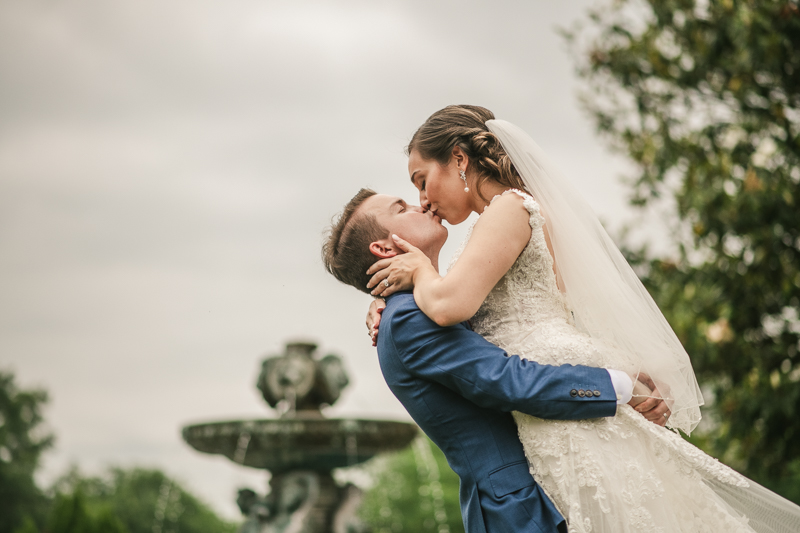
(410, 222)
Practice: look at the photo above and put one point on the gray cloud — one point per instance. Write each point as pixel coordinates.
(166, 170)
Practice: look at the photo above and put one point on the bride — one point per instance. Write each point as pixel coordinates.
(538, 276)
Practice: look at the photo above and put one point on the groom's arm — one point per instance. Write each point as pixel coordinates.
(478, 370)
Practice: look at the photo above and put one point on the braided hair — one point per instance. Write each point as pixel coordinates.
(465, 126)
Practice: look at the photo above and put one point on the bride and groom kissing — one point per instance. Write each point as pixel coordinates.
(531, 399)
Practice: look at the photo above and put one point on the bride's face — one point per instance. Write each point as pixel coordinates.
(441, 188)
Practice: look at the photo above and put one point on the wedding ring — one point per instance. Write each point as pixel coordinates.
(386, 282)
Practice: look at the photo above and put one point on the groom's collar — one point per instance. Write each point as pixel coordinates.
(398, 293)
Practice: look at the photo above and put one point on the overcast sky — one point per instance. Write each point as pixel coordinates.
(167, 169)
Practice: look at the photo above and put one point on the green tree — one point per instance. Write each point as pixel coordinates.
(704, 99)
(71, 515)
(22, 442)
(414, 490)
(144, 501)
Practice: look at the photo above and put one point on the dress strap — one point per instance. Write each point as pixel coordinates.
(528, 201)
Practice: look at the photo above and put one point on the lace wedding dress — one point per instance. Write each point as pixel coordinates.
(620, 474)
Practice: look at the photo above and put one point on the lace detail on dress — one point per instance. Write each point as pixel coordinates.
(608, 475)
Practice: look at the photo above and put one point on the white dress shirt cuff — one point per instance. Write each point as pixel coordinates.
(623, 385)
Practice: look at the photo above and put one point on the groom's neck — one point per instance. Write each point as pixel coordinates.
(433, 255)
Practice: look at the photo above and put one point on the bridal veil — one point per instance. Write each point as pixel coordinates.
(603, 292)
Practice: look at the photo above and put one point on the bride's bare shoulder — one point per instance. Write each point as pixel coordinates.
(512, 204)
(522, 202)
(506, 215)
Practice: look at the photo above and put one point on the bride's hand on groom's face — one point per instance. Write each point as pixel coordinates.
(397, 273)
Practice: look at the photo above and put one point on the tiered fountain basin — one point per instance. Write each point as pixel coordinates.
(301, 448)
(300, 442)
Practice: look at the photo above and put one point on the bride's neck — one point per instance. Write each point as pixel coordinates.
(489, 190)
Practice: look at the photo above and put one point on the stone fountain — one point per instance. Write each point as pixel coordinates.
(302, 447)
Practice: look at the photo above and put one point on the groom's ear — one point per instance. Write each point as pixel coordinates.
(383, 249)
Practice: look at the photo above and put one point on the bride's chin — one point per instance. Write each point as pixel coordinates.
(454, 221)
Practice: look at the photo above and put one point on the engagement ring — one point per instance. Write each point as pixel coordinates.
(386, 283)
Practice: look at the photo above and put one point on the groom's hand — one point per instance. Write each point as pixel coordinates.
(653, 408)
(374, 318)
(640, 393)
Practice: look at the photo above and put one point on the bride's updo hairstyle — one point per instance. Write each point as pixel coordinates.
(465, 126)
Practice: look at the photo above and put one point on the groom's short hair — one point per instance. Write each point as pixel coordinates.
(345, 251)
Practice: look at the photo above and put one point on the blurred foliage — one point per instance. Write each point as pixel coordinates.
(22, 441)
(415, 490)
(123, 501)
(704, 98)
(143, 501)
(70, 515)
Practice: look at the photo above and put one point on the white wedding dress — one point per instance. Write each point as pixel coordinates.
(621, 474)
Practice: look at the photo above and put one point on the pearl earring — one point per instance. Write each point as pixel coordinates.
(464, 177)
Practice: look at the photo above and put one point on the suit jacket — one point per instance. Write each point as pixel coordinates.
(460, 388)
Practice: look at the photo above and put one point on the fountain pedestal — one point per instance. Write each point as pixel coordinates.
(301, 448)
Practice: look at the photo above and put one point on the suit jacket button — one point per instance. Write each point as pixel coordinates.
(581, 393)
(573, 392)
(597, 393)
(589, 394)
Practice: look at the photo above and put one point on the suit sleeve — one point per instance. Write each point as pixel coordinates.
(478, 370)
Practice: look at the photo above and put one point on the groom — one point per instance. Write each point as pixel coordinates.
(459, 388)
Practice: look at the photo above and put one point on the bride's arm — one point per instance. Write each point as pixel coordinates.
(499, 236)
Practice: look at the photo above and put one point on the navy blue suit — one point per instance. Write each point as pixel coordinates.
(460, 388)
